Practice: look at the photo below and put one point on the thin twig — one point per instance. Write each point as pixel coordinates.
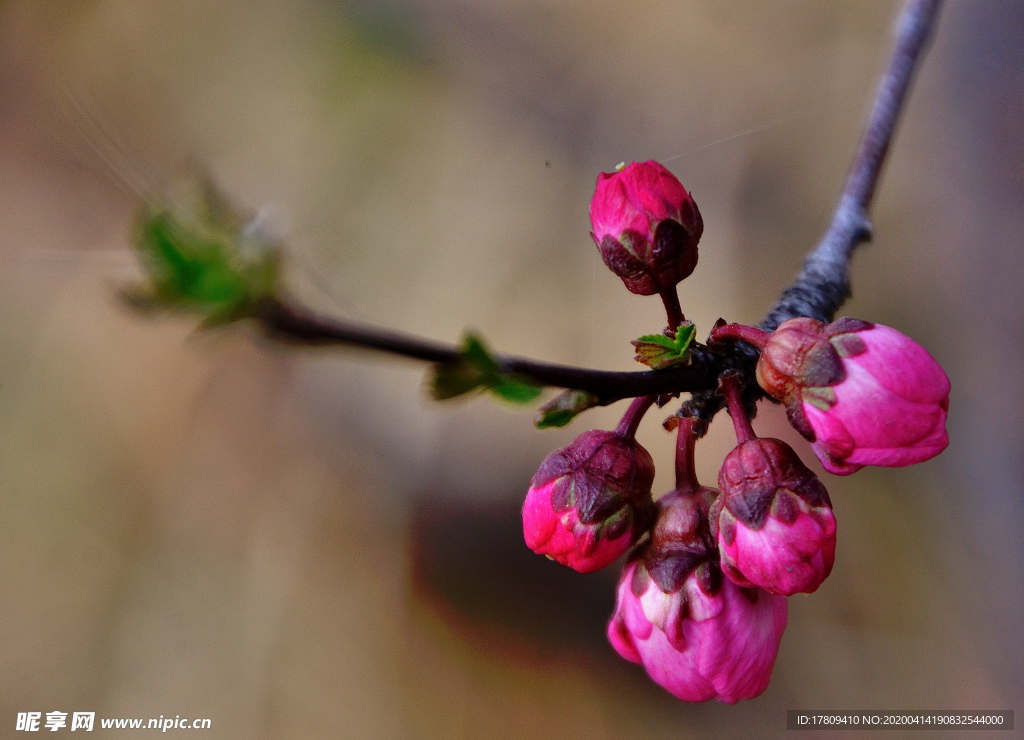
(292, 324)
(824, 283)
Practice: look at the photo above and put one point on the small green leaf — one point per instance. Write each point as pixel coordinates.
(658, 351)
(476, 354)
(476, 368)
(516, 388)
(199, 257)
(564, 407)
(452, 379)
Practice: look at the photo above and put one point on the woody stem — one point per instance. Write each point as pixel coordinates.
(285, 321)
(824, 282)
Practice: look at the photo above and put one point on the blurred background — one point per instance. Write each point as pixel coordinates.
(297, 543)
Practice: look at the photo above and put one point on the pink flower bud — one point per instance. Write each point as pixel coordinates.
(589, 502)
(707, 638)
(863, 394)
(774, 520)
(698, 634)
(646, 226)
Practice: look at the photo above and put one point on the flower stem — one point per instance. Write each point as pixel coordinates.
(631, 419)
(670, 297)
(686, 441)
(730, 386)
(756, 337)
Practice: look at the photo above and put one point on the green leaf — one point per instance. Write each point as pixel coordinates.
(476, 354)
(452, 379)
(564, 407)
(476, 368)
(516, 389)
(199, 257)
(658, 351)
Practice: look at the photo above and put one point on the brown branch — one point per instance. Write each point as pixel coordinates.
(295, 325)
(824, 283)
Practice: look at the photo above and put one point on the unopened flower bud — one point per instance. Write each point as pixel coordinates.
(589, 502)
(699, 635)
(774, 520)
(646, 226)
(863, 394)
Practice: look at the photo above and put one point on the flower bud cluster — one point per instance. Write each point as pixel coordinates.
(702, 600)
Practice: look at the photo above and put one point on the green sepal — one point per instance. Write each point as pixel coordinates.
(476, 368)
(564, 407)
(823, 398)
(658, 351)
(198, 257)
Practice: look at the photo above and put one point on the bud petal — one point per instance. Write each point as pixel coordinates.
(589, 502)
(699, 645)
(646, 226)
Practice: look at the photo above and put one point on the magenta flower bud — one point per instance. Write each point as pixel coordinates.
(699, 635)
(774, 521)
(590, 502)
(863, 394)
(646, 226)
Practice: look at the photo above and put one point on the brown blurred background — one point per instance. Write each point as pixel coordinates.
(298, 544)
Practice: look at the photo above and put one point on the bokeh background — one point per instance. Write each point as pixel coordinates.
(297, 543)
